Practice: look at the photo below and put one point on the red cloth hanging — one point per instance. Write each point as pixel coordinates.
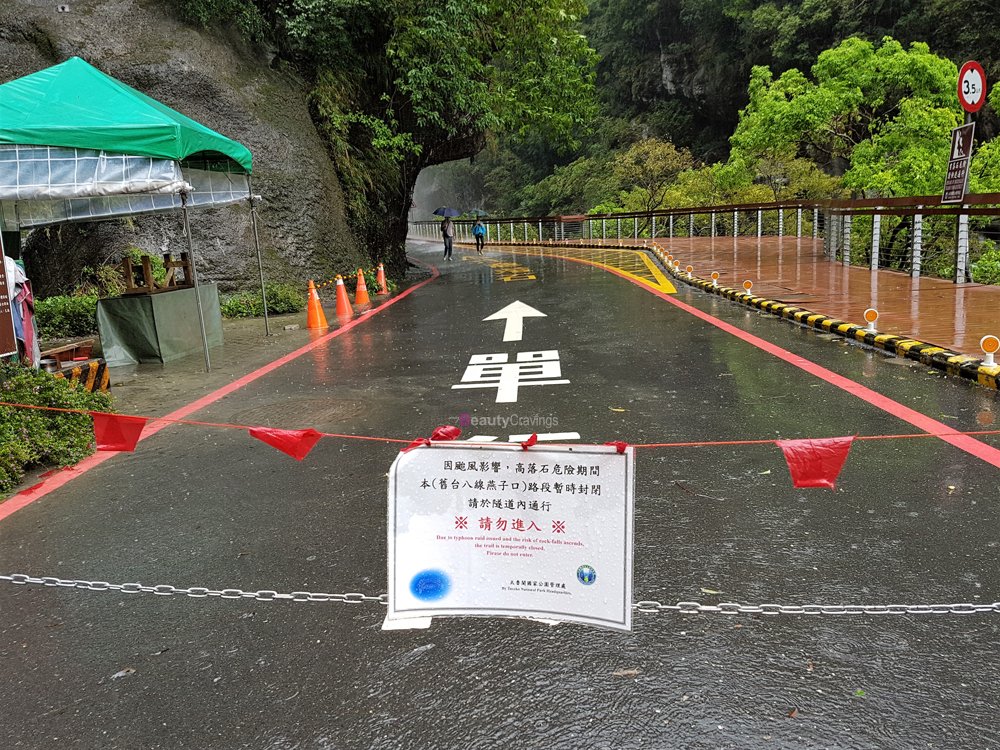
(441, 434)
(116, 432)
(815, 463)
(296, 443)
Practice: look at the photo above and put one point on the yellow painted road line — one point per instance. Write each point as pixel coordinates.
(630, 263)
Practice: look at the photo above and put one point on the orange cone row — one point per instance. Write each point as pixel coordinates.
(315, 318)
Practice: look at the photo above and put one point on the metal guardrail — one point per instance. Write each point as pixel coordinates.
(929, 237)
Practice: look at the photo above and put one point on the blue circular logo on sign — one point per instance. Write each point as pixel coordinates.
(586, 575)
(430, 585)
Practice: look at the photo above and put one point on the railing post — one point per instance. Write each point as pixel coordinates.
(487, 231)
(713, 223)
(760, 223)
(512, 231)
(525, 227)
(691, 224)
(652, 233)
(781, 222)
(918, 241)
(604, 229)
(847, 239)
(815, 223)
(876, 239)
(539, 231)
(619, 228)
(798, 222)
(736, 223)
(671, 226)
(962, 254)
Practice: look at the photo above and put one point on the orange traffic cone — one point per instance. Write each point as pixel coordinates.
(361, 291)
(344, 309)
(315, 318)
(380, 278)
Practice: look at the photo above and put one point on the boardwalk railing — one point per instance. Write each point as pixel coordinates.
(916, 235)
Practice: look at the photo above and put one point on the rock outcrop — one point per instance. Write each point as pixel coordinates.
(221, 82)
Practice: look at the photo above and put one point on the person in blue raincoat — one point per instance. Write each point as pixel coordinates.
(479, 232)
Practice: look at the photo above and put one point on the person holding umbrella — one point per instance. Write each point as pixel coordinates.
(448, 232)
(447, 228)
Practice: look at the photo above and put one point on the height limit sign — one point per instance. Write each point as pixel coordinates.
(971, 87)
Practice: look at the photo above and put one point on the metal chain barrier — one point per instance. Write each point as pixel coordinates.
(644, 606)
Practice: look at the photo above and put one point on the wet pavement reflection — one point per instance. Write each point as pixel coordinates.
(911, 521)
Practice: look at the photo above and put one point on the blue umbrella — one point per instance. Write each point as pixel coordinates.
(445, 211)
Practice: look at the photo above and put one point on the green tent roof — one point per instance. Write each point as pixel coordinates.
(74, 104)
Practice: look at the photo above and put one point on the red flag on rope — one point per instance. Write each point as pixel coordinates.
(815, 463)
(116, 432)
(296, 443)
(443, 433)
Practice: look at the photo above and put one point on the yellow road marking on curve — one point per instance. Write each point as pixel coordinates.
(631, 263)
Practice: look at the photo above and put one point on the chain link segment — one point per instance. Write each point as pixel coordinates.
(645, 606)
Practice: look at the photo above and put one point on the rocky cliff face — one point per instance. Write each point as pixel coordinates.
(225, 85)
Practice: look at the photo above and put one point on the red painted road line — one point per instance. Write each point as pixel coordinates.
(40, 490)
(950, 435)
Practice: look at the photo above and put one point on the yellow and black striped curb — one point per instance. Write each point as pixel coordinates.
(952, 363)
(92, 377)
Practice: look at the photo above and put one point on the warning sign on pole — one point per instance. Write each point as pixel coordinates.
(500, 531)
(957, 179)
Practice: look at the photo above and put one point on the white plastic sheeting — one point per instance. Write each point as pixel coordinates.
(41, 185)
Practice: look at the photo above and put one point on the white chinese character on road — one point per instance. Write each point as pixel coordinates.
(494, 371)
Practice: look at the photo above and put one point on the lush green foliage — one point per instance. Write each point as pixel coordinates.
(885, 112)
(281, 298)
(29, 437)
(66, 316)
(986, 268)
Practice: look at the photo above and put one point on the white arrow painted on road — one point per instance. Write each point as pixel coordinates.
(514, 314)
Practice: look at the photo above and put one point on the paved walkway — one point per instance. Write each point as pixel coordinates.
(954, 316)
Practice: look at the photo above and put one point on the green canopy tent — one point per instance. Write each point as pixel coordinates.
(79, 145)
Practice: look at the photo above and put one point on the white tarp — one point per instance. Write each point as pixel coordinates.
(41, 185)
(499, 531)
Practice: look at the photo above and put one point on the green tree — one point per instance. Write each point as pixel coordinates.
(648, 168)
(878, 114)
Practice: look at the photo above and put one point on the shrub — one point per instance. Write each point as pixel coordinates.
(281, 298)
(29, 437)
(64, 316)
(986, 269)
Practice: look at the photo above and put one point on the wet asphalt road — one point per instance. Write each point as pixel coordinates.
(912, 521)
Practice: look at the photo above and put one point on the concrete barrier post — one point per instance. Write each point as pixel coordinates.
(962, 254)
(918, 240)
(847, 239)
(876, 239)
